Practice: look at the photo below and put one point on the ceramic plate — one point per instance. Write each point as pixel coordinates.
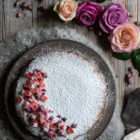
(52, 46)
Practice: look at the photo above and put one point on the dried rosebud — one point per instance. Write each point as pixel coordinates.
(129, 80)
(58, 116)
(131, 69)
(49, 134)
(50, 111)
(20, 14)
(43, 90)
(51, 118)
(67, 127)
(42, 109)
(17, 4)
(64, 119)
(45, 75)
(129, 75)
(74, 125)
(44, 6)
(28, 109)
(25, 4)
(134, 74)
(35, 72)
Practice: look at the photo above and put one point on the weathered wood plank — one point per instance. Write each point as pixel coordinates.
(34, 12)
(5, 17)
(1, 20)
(133, 9)
(123, 67)
(42, 17)
(18, 23)
(139, 12)
(112, 60)
(119, 69)
(10, 23)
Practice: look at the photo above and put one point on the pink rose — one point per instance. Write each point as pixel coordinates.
(88, 12)
(66, 9)
(112, 16)
(125, 38)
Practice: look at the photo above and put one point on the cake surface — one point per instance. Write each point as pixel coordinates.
(75, 89)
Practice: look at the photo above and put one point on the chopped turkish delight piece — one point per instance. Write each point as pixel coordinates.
(41, 79)
(42, 85)
(20, 99)
(38, 90)
(70, 130)
(52, 127)
(53, 135)
(29, 75)
(44, 98)
(27, 84)
(27, 93)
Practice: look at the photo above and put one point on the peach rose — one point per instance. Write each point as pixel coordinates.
(125, 38)
(66, 9)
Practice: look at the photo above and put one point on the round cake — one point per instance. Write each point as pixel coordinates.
(61, 95)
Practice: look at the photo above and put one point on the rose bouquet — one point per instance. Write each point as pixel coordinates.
(113, 20)
(124, 36)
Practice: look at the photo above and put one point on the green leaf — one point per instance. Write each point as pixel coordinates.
(99, 1)
(136, 61)
(135, 52)
(122, 56)
(126, 56)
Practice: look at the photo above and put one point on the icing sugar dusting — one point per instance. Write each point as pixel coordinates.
(74, 87)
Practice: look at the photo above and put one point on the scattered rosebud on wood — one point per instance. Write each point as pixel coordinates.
(21, 14)
(131, 69)
(130, 76)
(22, 6)
(17, 4)
(25, 4)
(44, 6)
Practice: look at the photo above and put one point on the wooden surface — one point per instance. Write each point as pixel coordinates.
(9, 24)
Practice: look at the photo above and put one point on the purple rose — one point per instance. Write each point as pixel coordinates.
(88, 12)
(112, 16)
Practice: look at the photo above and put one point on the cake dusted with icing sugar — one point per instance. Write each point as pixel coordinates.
(75, 89)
